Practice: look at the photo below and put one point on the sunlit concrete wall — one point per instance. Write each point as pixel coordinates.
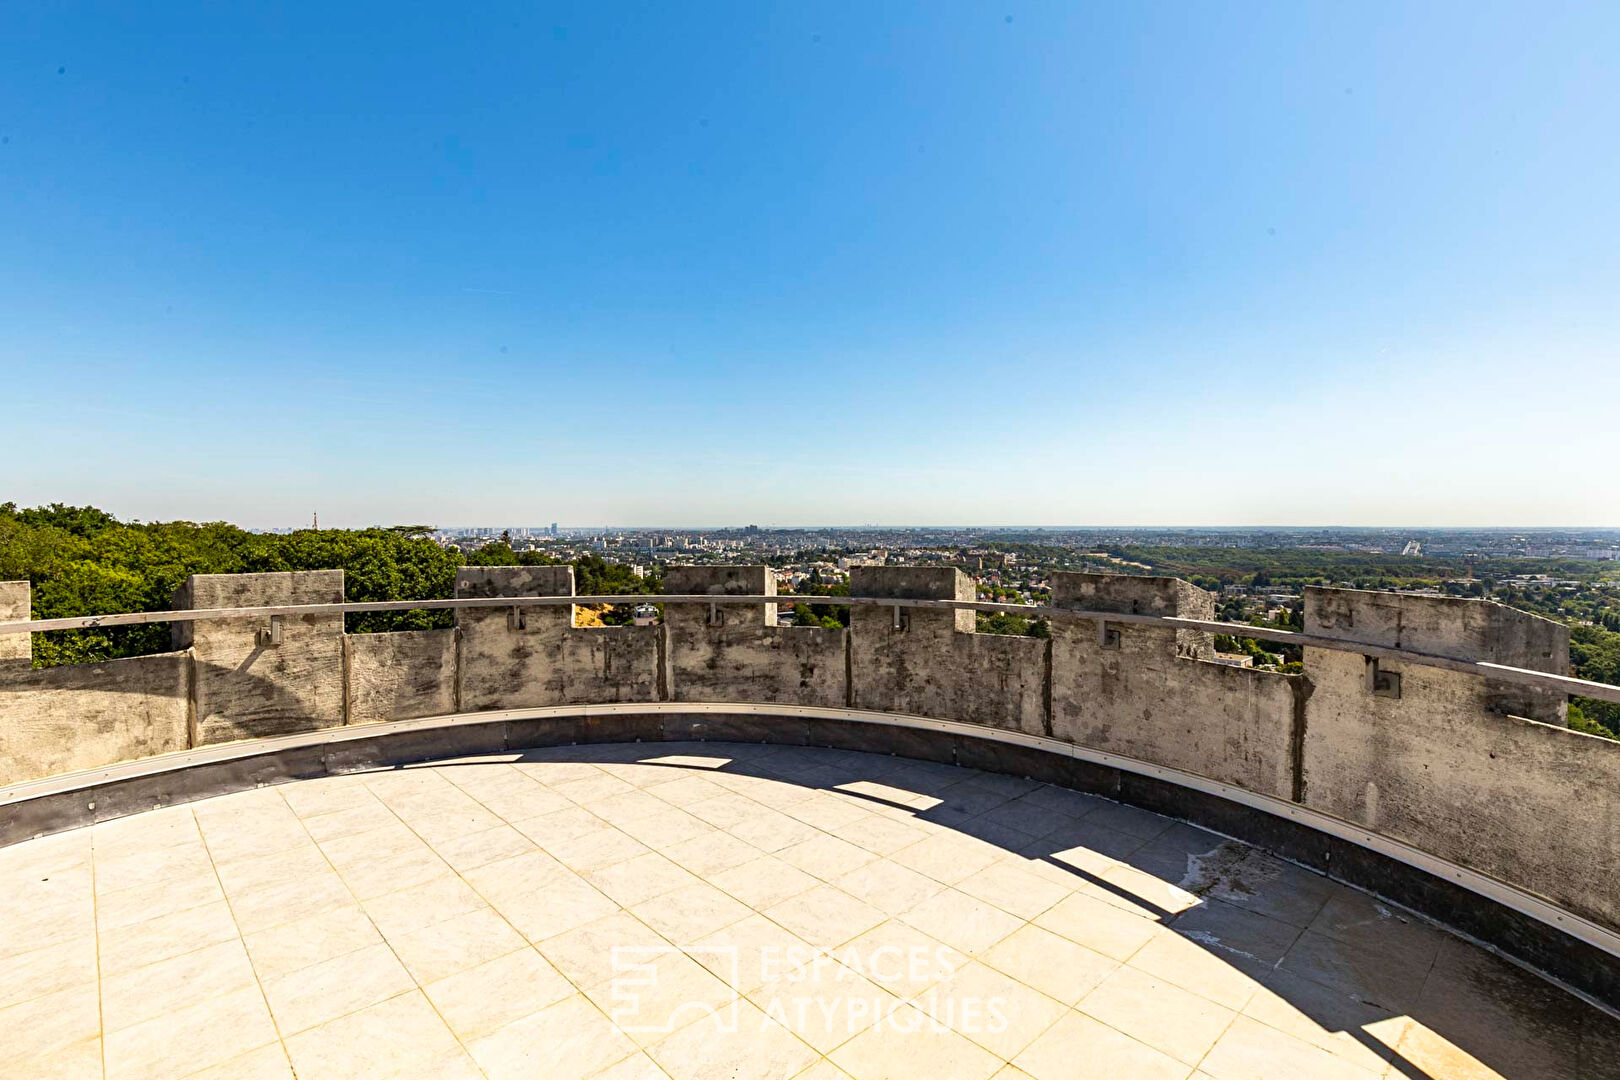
(400, 675)
(738, 653)
(79, 716)
(527, 657)
(932, 663)
(1480, 772)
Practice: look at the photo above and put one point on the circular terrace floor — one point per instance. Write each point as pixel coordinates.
(728, 911)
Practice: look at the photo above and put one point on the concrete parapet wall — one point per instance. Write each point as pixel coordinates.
(745, 656)
(530, 657)
(400, 676)
(82, 716)
(1446, 762)
(933, 664)
(1150, 694)
(246, 685)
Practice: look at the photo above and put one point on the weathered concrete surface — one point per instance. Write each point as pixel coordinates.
(936, 665)
(81, 716)
(1444, 766)
(15, 604)
(1152, 694)
(530, 657)
(400, 676)
(747, 657)
(245, 688)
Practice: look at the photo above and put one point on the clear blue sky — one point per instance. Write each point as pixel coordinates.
(1192, 263)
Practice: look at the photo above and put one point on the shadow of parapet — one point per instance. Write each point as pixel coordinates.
(1290, 949)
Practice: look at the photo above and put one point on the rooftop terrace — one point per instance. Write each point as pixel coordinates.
(721, 848)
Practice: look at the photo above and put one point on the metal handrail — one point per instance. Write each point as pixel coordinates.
(1540, 680)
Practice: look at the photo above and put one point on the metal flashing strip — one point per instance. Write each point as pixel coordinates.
(1508, 896)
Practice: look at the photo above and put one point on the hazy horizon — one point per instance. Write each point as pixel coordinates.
(918, 262)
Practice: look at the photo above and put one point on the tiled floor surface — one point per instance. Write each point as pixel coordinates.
(726, 911)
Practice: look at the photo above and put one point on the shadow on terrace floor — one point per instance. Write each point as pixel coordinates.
(1378, 986)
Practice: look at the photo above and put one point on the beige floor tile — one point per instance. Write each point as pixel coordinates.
(657, 993)
(152, 901)
(640, 878)
(326, 795)
(989, 1008)
(908, 1044)
(880, 835)
(595, 850)
(445, 948)
(725, 810)
(361, 817)
(691, 913)
(592, 789)
(376, 1042)
(566, 1041)
(230, 842)
(1079, 1048)
(557, 909)
(752, 953)
(49, 970)
(830, 813)
(477, 849)
(711, 853)
(287, 901)
(826, 916)
(826, 856)
(1251, 1050)
(758, 1049)
(483, 999)
(173, 984)
(125, 948)
(1133, 890)
(266, 1063)
(634, 1067)
(1013, 889)
(888, 886)
(153, 866)
(32, 1031)
(370, 878)
(900, 958)
(771, 831)
(76, 1061)
(1359, 970)
(1098, 926)
(823, 1070)
(559, 826)
(215, 1031)
(442, 826)
(1190, 966)
(514, 877)
(585, 954)
(763, 882)
(947, 857)
(687, 790)
(1151, 1011)
(523, 803)
(1054, 965)
(826, 1006)
(666, 829)
(141, 832)
(299, 944)
(420, 906)
(963, 922)
(1362, 1034)
(308, 997)
(260, 872)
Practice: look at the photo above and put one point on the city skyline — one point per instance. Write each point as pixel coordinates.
(932, 264)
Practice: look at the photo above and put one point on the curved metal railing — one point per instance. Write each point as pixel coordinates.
(1541, 680)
